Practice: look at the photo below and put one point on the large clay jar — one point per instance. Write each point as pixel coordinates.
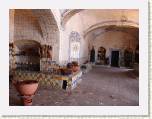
(26, 90)
(75, 66)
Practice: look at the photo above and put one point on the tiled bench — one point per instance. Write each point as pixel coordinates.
(46, 79)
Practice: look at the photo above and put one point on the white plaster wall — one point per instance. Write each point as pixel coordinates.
(61, 49)
(64, 47)
(84, 52)
(74, 24)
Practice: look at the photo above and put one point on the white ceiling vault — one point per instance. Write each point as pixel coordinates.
(97, 21)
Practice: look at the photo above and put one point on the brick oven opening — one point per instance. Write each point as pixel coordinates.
(27, 56)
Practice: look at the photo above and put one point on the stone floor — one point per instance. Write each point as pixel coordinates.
(102, 86)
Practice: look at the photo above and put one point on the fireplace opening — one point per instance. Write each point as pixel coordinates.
(27, 56)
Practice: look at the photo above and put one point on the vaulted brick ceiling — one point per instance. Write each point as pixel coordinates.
(98, 21)
(35, 24)
(133, 31)
(67, 14)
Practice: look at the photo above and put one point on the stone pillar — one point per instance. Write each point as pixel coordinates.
(11, 25)
(12, 60)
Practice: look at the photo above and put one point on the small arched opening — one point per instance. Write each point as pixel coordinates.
(101, 56)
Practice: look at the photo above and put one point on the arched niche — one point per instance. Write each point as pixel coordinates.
(75, 44)
(101, 56)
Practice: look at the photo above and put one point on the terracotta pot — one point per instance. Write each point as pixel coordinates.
(27, 100)
(26, 90)
(75, 68)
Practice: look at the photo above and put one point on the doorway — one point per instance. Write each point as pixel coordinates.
(115, 58)
(101, 57)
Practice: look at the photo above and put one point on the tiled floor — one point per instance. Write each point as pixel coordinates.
(102, 86)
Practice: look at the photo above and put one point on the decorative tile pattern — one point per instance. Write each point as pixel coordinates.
(47, 79)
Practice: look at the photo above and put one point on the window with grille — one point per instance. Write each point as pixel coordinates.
(74, 46)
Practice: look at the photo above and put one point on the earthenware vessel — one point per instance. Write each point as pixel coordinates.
(26, 90)
(75, 66)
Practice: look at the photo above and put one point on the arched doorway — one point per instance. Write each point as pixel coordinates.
(101, 56)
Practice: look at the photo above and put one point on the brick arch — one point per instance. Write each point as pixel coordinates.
(67, 14)
(112, 23)
(24, 44)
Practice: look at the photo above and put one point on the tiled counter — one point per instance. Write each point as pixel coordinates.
(47, 79)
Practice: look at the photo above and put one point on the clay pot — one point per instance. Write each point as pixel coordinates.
(26, 90)
(27, 100)
(75, 68)
(66, 71)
